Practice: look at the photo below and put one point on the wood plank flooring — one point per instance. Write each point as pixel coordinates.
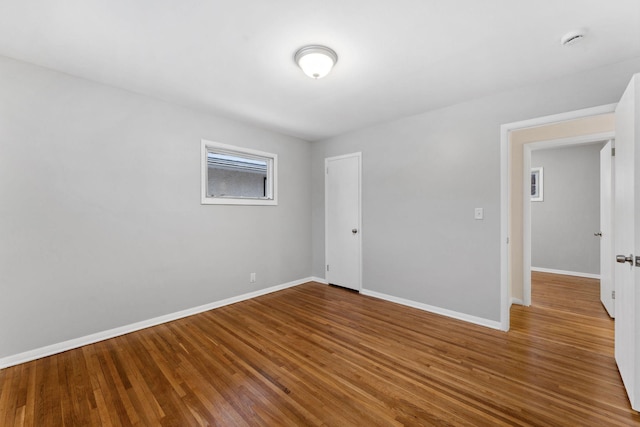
(319, 355)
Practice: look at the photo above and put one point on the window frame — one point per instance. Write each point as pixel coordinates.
(272, 174)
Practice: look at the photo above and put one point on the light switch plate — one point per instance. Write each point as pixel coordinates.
(479, 213)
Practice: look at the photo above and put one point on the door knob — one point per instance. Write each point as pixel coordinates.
(598, 234)
(622, 259)
(354, 230)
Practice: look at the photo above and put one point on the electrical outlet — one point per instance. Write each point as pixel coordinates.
(252, 278)
(479, 213)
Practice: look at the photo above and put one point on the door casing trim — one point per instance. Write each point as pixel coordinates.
(505, 185)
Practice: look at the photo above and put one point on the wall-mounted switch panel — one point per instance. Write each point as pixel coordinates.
(479, 213)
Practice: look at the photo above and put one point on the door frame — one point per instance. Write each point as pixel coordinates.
(526, 203)
(357, 155)
(505, 186)
(607, 252)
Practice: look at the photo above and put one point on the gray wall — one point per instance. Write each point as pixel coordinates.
(100, 217)
(424, 175)
(101, 223)
(562, 225)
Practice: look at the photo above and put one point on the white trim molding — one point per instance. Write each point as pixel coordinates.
(319, 280)
(516, 301)
(566, 273)
(436, 310)
(49, 350)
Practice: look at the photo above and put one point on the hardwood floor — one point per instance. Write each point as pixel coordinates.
(568, 294)
(320, 355)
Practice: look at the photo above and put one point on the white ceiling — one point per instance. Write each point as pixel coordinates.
(396, 58)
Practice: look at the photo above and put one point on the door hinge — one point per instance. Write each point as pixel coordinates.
(327, 170)
(327, 267)
(613, 294)
(613, 151)
(507, 240)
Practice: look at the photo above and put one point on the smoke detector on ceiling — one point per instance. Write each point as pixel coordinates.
(572, 37)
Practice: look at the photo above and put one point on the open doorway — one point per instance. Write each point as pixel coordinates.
(518, 141)
(566, 235)
(573, 249)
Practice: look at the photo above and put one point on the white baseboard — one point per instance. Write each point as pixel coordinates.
(319, 280)
(517, 301)
(437, 310)
(38, 353)
(566, 273)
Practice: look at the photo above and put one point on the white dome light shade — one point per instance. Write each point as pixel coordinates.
(316, 61)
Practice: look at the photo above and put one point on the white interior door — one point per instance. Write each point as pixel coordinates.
(342, 216)
(607, 257)
(627, 240)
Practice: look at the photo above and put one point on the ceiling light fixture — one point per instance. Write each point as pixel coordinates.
(316, 61)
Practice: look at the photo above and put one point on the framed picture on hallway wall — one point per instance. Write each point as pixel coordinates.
(537, 184)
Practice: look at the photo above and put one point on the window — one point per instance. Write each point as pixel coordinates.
(238, 176)
(537, 185)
